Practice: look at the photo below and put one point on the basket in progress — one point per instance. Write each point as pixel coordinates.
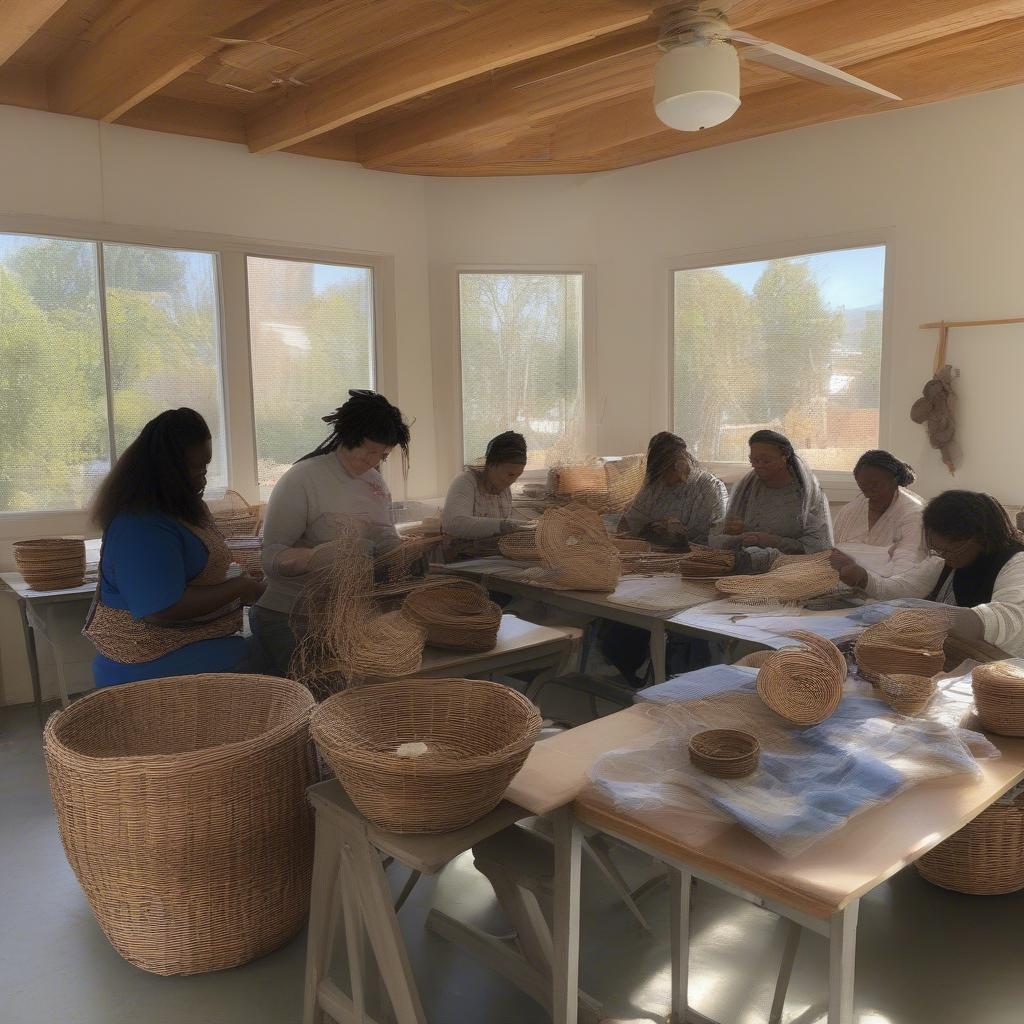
(181, 806)
(706, 563)
(234, 516)
(396, 563)
(725, 753)
(802, 684)
(386, 647)
(457, 615)
(520, 546)
(792, 581)
(999, 697)
(909, 642)
(575, 545)
(51, 563)
(477, 735)
(909, 695)
(985, 858)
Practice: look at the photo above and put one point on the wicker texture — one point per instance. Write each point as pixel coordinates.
(458, 615)
(576, 548)
(725, 753)
(999, 697)
(234, 516)
(706, 563)
(909, 695)
(51, 563)
(477, 735)
(803, 684)
(985, 858)
(399, 562)
(181, 806)
(389, 646)
(520, 546)
(788, 581)
(753, 660)
(909, 642)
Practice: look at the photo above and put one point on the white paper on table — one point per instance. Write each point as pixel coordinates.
(871, 557)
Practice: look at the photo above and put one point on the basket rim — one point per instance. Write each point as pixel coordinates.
(52, 742)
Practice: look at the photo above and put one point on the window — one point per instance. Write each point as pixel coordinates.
(792, 344)
(311, 337)
(521, 338)
(160, 339)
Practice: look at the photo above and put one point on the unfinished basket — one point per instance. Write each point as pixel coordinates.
(247, 552)
(457, 615)
(396, 564)
(575, 546)
(51, 563)
(520, 546)
(388, 647)
(985, 858)
(725, 753)
(181, 806)
(909, 695)
(706, 563)
(477, 735)
(909, 642)
(802, 685)
(234, 516)
(999, 697)
(792, 581)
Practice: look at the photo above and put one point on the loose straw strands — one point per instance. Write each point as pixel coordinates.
(792, 581)
(803, 684)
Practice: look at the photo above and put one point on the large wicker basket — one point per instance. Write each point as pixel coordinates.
(985, 858)
(477, 735)
(181, 806)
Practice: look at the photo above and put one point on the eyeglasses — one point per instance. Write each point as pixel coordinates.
(954, 549)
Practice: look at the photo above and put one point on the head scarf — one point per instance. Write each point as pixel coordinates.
(807, 482)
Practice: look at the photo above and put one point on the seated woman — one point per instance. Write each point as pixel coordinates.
(885, 514)
(479, 501)
(777, 507)
(164, 605)
(338, 480)
(678, 501)
(978, 566)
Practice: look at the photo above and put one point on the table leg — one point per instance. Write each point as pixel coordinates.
(33, 659)
(785, 971)
(842, 952)
(326, 863)
(566, 965)
(658, 651)
(680, 886)
(62, 682)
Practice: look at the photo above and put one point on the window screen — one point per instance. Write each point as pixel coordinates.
(792, 344)
(522, 361)
(311, 337)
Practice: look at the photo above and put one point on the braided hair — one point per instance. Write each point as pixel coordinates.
(663, 450)
(902, 471)
(960, 515)
(152, 475)
(366, 416)
(509, 447)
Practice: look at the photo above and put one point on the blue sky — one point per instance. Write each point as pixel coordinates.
(326, 275)
(851, 278)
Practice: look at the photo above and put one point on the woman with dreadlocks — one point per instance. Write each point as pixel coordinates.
(164, 605)
(339, 478)
(977, 565)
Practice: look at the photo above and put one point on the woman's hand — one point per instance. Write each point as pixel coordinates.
(295, 561)
(852, 574)
(758, 539)
(733, 526)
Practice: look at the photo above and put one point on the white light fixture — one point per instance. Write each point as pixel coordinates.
(697, 85)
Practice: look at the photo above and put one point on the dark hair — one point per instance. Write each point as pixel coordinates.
(780, 441)
(902, 471)
(507, 447)
(662, 452)
(366, 416)
(960, 515)
(151, 474)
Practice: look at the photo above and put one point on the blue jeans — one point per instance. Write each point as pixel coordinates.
(273, 640)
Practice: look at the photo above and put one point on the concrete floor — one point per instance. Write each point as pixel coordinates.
(925, 956)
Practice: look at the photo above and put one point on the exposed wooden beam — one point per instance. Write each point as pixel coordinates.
(842, 33)
(20, 20)
(23, 87)
(184, 117)
(497, 36)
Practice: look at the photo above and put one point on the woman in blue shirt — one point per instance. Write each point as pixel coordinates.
(164, 605)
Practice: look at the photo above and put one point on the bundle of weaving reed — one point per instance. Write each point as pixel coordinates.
(457, 615)
(706, 563)
(909, 642)
(51, 563)
(789, 581)
(803, 684)
(999, 697)
(577, 551)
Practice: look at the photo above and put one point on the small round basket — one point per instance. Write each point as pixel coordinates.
(725, 753)
(985, 858)
(999, 697)
(458, 616)
(477, 736)
(909, 695)
(51, 563)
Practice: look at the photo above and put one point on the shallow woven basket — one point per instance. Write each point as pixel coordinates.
(985, 858)
(909, 695)
(802, 684)
(725, 753)
(458, 615)
(793, 580)
(181, 806)
(477, 733)
(389, 647)
(51, 563)
(521, 546)
(999, 698)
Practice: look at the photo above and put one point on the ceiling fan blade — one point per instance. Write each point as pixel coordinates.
(800, 65)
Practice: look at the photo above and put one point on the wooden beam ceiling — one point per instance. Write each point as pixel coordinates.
(20, 20)
(499, 35)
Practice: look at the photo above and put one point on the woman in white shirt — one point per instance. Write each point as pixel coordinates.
(885, 514)
(977, 567)
(479, 501)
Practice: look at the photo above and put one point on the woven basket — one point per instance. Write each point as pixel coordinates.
(985, 858)
(52, 563)
(909, 642)
(391, 646)
(181, 806)
(792, 580)
(477, 733)
(706, 563)
(234, 516)
(753, 660)
(999, 697)
(801, 684)
(725, 753)
(520, 546)
(576, 547)
(578, 479)
(458, 615)
(909, 695)
(249, 558)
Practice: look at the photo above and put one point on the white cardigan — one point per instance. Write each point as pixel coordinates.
(1002, 617)
(470, 512)
(898, 529)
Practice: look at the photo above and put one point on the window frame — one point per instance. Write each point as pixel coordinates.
(587, 352)
(838, 485)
